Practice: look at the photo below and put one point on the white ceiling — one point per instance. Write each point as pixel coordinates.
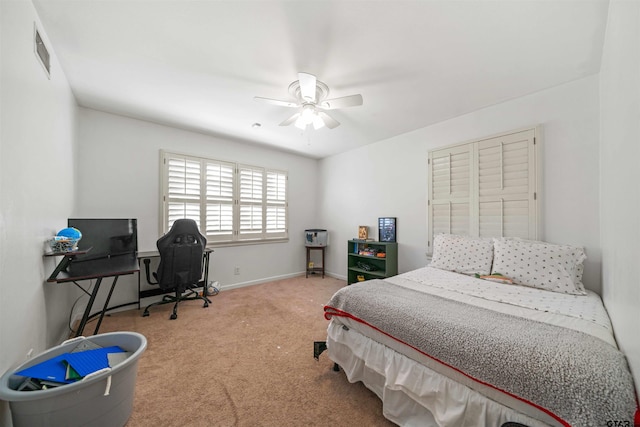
(198, 64)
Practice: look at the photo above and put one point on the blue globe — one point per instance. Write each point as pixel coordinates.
(71, 233)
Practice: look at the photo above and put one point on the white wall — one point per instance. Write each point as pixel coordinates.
(389, 178)
(37, 133)
(620, 176)
(119, 176)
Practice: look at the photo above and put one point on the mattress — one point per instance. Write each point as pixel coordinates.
(417, 389)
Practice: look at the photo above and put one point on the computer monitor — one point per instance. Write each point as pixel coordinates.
(107, 237)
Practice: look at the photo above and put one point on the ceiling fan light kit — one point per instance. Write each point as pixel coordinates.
(309, 116)
(311, 98)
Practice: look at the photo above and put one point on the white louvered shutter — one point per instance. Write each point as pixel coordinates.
(276, 206)
(250, 181)
(450, 189)
(507, 185)
(485, 188)
(219, 200)
(231, 203)
(183, 195)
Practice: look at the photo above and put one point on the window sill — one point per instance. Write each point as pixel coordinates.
(247, 242)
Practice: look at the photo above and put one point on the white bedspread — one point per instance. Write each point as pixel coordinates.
(584, 313)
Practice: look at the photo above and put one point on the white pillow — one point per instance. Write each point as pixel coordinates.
(556, 268)
(462, 254)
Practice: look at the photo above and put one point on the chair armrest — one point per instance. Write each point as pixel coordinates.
(147, 271)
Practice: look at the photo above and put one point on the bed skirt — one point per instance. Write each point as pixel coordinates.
(413, 394)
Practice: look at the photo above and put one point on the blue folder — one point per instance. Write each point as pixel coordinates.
(52, 369)
(88, 361)
(83, 362)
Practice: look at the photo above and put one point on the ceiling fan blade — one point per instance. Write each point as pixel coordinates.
(343, 102)
(307, 86)
(276, 102)
(290, 120)
(329, 121)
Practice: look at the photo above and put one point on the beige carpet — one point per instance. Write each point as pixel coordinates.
(247, 360)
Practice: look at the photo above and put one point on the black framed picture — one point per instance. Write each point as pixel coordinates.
(387, 229)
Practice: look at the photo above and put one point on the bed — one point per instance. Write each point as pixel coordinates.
(492, 332)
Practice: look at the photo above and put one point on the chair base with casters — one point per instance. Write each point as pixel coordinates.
(175, 299)
(182, 258)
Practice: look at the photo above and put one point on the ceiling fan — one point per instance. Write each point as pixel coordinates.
(311, 98)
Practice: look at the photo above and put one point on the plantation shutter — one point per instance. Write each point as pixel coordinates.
(451, 191)
(183, 189)
(219, 199)
(507, 186)
(250, 183)
(485, 188)
(231, 203)
(276, 212)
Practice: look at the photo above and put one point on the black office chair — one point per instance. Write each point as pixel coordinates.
(181, 265)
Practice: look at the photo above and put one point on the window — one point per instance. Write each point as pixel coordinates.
(230, 202)
(485, 188)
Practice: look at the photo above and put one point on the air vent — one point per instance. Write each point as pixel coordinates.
(41, 51)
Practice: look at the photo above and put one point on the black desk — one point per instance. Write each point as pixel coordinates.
(69, 270)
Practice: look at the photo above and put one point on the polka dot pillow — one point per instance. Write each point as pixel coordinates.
(556, 268)
(462, 254)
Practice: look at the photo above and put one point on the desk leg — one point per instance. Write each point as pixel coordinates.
(106, 305)
(139, 273)
(87, 310)
(206, 276)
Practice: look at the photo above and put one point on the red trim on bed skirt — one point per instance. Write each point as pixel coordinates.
(340, 313)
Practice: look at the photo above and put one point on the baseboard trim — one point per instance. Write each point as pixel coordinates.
(273, 278)
(336, 276)
(259, 281)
